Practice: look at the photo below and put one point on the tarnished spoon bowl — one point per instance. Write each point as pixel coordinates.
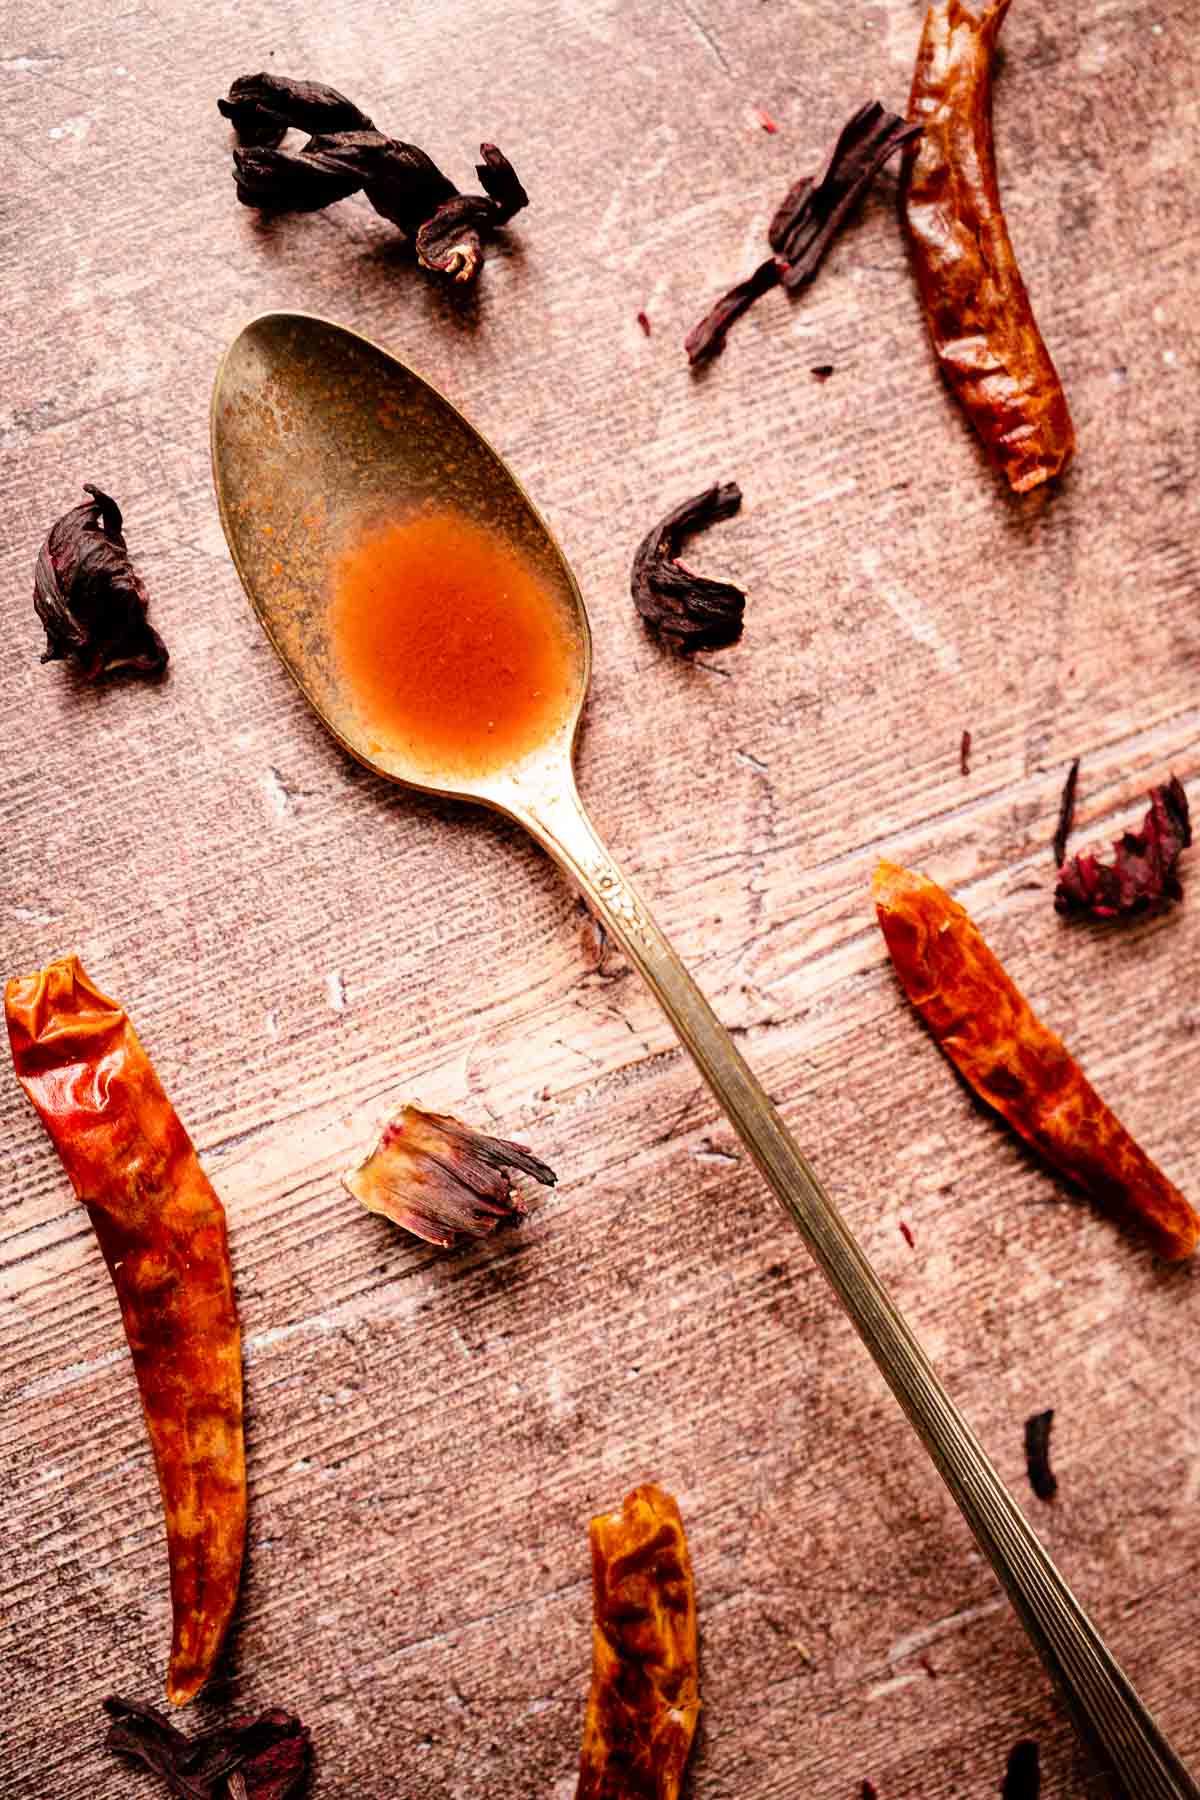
(315, 432)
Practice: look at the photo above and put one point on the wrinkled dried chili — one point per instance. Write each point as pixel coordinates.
(980, 320)
(644, 1700)
(1144, 872)
(691, 611)
(263, 1758)
(1014, 1063)
(440, 1180)
(161, 1229)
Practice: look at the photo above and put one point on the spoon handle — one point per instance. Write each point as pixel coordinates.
(1105, 1706)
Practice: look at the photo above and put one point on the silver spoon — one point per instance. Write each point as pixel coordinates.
(316, 431)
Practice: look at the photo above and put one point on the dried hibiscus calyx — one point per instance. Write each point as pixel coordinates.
(1023, 1776)
(89, 597)
(645, 1698)
(813, 212)
(263, 1758)
(1144, 871)
(262, 108)
(345, 154)
(807, 220)
(689, 610)
(440, 1180)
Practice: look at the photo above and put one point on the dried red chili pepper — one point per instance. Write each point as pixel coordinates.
(984, 333)
(645, 1697)
(993, 1037)
(161, 1229)
(1144, 871)
(691, 611)
(263, 1758)
(440, 1180)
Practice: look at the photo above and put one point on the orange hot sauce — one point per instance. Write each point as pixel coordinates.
(452, 649)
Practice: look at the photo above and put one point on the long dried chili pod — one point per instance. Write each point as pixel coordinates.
(161, 1228)
(1016, 1064)
(645, 1697)
(984, 333)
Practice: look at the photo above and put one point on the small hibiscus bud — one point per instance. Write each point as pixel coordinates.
(88, 596)
(440, 1180)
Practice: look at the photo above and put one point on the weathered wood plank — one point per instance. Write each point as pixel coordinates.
(301, 947)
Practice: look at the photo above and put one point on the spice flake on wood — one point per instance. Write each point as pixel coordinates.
(980, 320)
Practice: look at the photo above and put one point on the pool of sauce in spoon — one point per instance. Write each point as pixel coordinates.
(450, 647)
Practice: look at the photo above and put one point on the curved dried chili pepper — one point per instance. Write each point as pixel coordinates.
(991, 1034)
(162, 1231)
(645, 1697)
(984, 333)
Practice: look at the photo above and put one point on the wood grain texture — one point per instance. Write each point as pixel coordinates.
(302, 948)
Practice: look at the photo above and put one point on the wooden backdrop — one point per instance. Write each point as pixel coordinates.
(302, 948)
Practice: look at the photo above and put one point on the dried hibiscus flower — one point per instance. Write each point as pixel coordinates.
(345, 153)
(263, 1758)
(440, 1180)
(1144, 870)
(262, 108)
(807, 220)
(89, 597)
(689, 610)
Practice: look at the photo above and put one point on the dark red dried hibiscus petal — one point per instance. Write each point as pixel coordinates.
(261, 108)
(405, 186)
(263, 1758)
(707, 339)
(1144, 870)
(346, 154)
(813, 212)
(89, 597)
(451, 242)
(498, 179)
(807, 220)
(291, 180)
(689, 610)
(440, 1180)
